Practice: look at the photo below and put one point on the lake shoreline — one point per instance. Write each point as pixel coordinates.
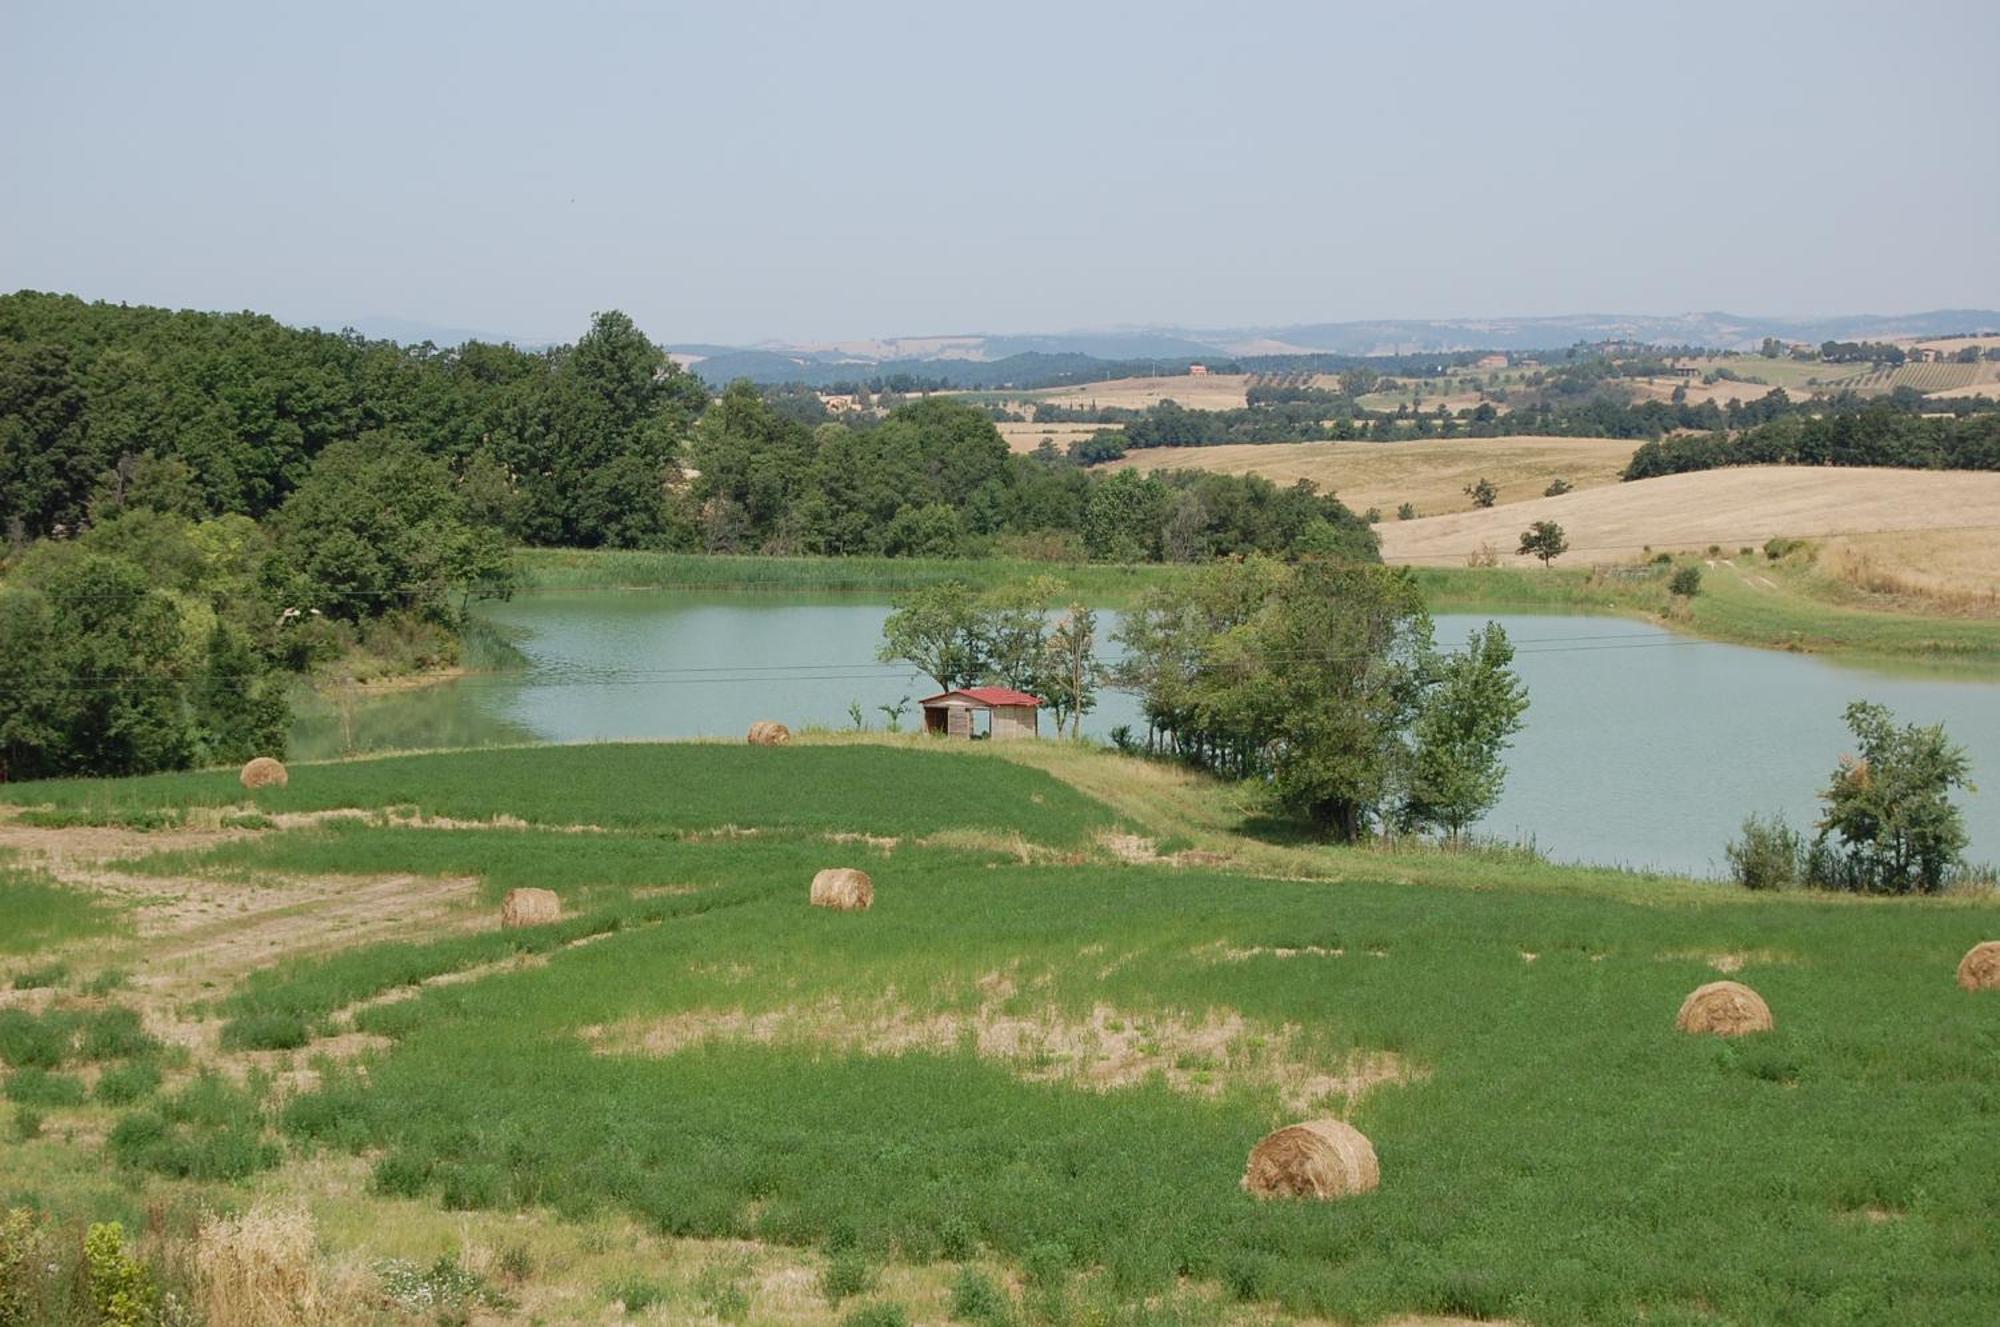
(1778, 606)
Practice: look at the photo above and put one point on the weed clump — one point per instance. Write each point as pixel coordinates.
(847, 1274)
(978, 1298)
(1767, 855)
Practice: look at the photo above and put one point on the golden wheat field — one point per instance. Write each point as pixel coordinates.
(1027, 437)
(1216, 391)
(1432, 475)
(1730, 508)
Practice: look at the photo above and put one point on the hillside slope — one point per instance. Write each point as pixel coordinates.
(1730, 508)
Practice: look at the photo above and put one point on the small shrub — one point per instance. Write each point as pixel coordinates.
(878, 1315)
(116, 1034)
(27, 1127)
(400, 1175)
(1715, 550)
(1768, 854)
(1373, 516)
(516, 1262)
(31, 1042)
(976, 1297)
(1663, 559)
(1557, 487)
(1686, 582)
(107, 981)
(636, 1293)
(1407, 512)
(121, 1289)
(1778, 549)
(956, 1238)
(446, 1288)
(268, 1030)
(721, 1292)
(847, 1274)
(123, 1084)
(30, 1269)
(39, 1087)
(34, 979)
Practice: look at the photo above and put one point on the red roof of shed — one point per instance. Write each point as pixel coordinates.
(985, 696)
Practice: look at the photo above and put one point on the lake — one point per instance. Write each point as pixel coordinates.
(1642, 747)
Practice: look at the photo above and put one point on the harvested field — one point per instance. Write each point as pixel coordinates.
(1026, 438)
(1730, 508)
(1431, 474)
(1216, 391)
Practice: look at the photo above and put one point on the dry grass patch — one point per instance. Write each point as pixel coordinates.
(1107, 1049)
(1955, 571)
(1731, 507)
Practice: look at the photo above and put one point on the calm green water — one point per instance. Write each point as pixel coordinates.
(1642, 748)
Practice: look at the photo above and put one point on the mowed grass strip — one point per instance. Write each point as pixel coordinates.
(1559, 1154)
(673, 787)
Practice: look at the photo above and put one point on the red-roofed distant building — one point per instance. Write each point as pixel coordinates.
(1010, 713)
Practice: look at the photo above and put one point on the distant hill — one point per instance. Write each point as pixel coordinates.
(971, 360)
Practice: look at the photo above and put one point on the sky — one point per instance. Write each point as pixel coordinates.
(737, 171)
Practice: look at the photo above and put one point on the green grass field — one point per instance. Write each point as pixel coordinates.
(1044, 1059)
(36, 914)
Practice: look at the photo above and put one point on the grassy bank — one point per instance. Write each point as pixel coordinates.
(1104, 584)
(1087, 986)
(1745, 601)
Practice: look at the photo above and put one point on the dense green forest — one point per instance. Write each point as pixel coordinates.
(199, 507)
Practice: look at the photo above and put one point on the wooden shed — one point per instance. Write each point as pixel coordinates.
(1009, 713)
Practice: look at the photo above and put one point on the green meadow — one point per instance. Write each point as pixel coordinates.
(1046, 1052)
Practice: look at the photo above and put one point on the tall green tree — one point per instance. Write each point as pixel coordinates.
(1890, 809)
(1071, 673)
(1346, 655)
(1472, 706)
(937, 629)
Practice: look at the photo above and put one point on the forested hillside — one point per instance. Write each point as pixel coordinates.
(197, 506)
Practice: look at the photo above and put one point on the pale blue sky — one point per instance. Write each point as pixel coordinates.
(735, 171)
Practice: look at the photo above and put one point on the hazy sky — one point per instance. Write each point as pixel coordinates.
(734, 171)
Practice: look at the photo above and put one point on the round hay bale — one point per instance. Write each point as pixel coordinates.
(765, 732)
(843, 890)
(530, 907)
(1725, 1008)
(1979, 970)
(1317, 1159)
(264, 772)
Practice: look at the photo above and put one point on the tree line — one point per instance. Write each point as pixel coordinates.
(1878, 433)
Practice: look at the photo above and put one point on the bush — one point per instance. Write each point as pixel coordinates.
(1407, 512)
(976, 1297)
(30, 1042)
(265, 1031)
(124, 1084)
(877, 1315)
(115, 1034)
(636, 1293)
(39, 1087)
(31, 979)
(1557, 488)
(1778, 549)
(27, 1127)
(847, 1274)
(1686, 582)
(1769, 854)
